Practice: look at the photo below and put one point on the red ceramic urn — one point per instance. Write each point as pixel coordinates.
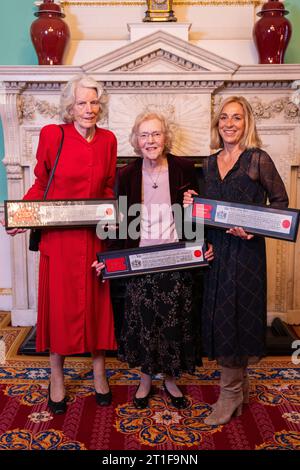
(49, 33)
(272, 33)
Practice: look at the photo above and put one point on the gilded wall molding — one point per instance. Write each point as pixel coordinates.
(91, 3)
(5, 291)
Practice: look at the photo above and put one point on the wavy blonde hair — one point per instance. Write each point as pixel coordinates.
(146, 116)
(250, 137)
(67, 98)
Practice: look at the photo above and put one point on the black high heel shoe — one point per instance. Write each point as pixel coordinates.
(57, 407)
(103, 399)
(177, 402)
(141, 403)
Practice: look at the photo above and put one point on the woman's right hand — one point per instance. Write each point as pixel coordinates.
(12, 231)
(187, 197)
(99, 267)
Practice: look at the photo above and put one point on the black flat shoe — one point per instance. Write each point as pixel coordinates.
(103, 399)
(57, 407)
(141, 403)
(177, 402)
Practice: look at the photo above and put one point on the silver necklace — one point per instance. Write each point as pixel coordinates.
(154, 182)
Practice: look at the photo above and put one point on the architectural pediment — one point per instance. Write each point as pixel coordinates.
(160, 52)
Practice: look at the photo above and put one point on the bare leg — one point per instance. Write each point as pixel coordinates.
(170, 383)
(145, 386)
(100, 379)
(57, 377)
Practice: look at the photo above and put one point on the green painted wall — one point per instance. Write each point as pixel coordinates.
(16, 17)
(293, 52)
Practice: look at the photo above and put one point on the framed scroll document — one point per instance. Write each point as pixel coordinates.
(59, 213)
(155, 258)
(255, 219)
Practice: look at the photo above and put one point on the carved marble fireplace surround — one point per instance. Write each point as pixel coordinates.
(166, 73)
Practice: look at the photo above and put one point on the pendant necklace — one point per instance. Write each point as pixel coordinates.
(154, 182)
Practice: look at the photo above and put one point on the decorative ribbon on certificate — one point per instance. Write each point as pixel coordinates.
(259, 220)
(155, 258)
(59, 213)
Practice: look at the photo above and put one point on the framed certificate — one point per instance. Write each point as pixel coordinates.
(59, 213)
(156, 258)
(259, 220)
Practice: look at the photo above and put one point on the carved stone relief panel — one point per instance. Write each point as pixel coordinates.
(29, 142)
(39, 108)
(188, 115)
(276, 108)
(266, 106)
(160, 60)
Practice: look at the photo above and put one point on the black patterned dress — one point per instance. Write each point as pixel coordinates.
(161, 332)
(234, 304)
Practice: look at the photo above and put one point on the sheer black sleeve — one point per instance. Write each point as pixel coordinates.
(263, 168)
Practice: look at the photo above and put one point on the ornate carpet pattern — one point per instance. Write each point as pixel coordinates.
(270, 421)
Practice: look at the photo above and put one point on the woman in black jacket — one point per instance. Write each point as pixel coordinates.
(159, 332)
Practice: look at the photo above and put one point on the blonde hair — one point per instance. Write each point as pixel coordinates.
(146, 116)
(250, 137)
(67, 98)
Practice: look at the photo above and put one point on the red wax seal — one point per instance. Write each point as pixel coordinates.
(197, 253)
(286, 223)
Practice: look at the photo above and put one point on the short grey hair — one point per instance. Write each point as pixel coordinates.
(67, 98)
(146, 116)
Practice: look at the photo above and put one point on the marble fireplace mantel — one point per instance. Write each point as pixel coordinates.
(169, 74)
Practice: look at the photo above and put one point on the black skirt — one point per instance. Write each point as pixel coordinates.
(161, 330)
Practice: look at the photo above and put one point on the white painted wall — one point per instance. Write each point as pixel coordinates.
(225, 30)
(5, 267)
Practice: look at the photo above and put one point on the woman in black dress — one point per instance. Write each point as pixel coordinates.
(159, 332)
(234, 309)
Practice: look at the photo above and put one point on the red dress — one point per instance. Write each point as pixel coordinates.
(74, 308)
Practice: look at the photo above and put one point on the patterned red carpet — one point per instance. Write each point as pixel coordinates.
(270, 421)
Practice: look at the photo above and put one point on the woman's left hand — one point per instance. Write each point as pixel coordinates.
(209, 254)
(240, 232)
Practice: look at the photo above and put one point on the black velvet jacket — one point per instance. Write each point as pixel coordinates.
(182, 176)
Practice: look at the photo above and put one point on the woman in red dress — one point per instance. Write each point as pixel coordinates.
(74, 309)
